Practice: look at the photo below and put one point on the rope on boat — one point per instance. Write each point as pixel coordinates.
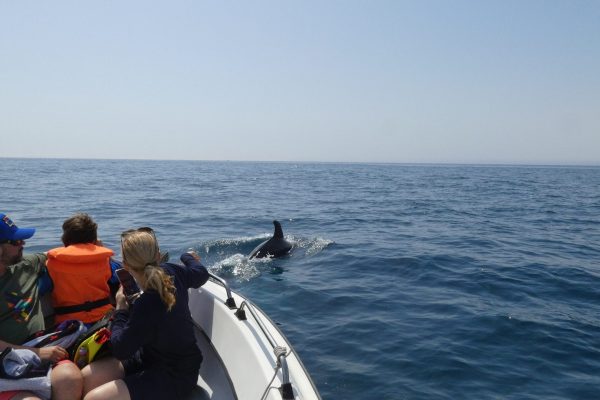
(280, 353)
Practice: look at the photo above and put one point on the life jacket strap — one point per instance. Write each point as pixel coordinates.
(87, 306)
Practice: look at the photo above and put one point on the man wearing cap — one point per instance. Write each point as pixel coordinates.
(21, 312)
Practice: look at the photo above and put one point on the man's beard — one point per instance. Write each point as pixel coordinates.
(6, 260)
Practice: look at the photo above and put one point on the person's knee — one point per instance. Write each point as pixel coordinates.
(66, 374)
(67, 382)
(100, 372)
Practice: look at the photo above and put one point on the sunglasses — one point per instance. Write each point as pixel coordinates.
(19, 242)
(128, 232)
(141, 229)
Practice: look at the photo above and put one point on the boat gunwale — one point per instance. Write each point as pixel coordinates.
(221, 296)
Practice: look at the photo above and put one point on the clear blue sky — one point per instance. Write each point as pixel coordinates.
(363, 81)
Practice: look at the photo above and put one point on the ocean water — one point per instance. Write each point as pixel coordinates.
(405, 282)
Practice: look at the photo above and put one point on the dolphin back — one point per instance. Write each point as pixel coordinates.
(277, 246)
(256, 252)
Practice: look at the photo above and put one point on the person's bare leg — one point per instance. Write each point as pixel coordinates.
(100, 372)
(66, 381)
(114, 390)
(25, 396)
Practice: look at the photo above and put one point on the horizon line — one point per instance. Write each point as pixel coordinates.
(406, 163)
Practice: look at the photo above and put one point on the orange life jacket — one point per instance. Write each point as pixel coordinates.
(80, 274)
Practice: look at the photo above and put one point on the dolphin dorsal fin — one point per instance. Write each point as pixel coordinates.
(278, 234)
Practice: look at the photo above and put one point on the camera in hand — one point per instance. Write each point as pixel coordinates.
(130, 287)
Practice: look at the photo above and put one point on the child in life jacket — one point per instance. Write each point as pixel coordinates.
(80, 272)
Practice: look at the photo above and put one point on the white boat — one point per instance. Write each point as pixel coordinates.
(246, 357)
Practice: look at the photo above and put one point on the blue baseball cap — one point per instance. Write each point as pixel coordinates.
(9, 231)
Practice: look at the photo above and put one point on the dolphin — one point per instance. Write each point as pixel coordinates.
(277, 246)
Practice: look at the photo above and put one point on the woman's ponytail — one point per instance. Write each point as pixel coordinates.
(141, 254)
(158, 280)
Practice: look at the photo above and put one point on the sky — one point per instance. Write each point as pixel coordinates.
(424, 81)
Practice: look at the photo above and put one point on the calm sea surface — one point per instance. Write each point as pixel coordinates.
(406, 282)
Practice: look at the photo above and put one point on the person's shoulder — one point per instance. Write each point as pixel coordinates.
(149, 296)
(148, 300)
(34, 262)
(170, 268)
(104, 251)
(175, 270)
(35, 259)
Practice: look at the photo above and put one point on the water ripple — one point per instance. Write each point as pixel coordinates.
(405, 282)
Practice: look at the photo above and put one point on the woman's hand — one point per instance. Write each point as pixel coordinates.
(52, 353)
(121, 300)
(194, 254)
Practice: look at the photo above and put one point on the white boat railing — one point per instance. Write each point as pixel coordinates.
(230, 302)
(280, 352)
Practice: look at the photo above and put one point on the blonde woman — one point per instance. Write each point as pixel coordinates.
(153, 340)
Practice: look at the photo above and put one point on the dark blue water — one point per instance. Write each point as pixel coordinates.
(406, 282)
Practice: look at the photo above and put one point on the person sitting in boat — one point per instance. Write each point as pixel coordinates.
(21, 313)
(80, 272)
(153, 341)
